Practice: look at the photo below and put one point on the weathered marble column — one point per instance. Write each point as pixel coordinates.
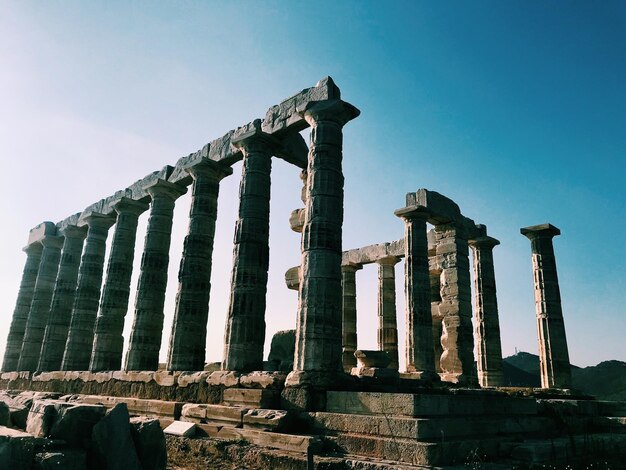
(420, 357)
(40, 306)
(108, 341)
(22, 307)
(245, 325)
(55, 336)
(387, 323)
(147, 332)
(348, 285)
(553, 354)
(452, 251)
(187, 347)
(318, 333)
(486, 322)
(80, 336)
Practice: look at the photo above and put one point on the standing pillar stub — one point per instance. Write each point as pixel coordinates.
(486, 322)
(387, 323)
(80, 336)
(244, 336)
(553, 353)
(187, 346)
(108, 341)
(349, 332)
(40, 306)
(147, 332)
(420, 356)
(63, 299)
(318, 333)
(22, 307)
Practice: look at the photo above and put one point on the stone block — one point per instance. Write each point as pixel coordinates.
(257, 398)
(73, 424)
(186, 378)
(166, 378)
(68, 459)
(283, 346)
(5, 414)
(18, 412)
(149, 443)
(138, 405)
(41, 417)
(263, 379)
(268, 420)
(203, 413)
(111, 442)
(17, 449)
(181, 428)
(44, 229)
(224, 378)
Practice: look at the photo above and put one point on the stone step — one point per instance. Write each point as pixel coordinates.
(418, 405)
(429, 428)
(136, 406)
(251, 398)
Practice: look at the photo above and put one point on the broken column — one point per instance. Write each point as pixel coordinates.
(245, 325)
(349, 334)
(318, 334)
(108, 341)
(387, 323)
(63, 299)
(22, 307)
(486, 322)
(553, 354)
(187, 347)
(80, 335)
(420, 357)
(40, 306)
(147, 331)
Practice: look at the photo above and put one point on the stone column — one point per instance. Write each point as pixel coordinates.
(553, 354)
(420, 356)
(187, 347)
(387, 323)
(40, 306)
(457, 340)
(22, 307)
(318, 333)
(63, 299)
(80, 336)
(486, 323)
(245, 325)
(108, 341)
(145, 337)
(348, 285)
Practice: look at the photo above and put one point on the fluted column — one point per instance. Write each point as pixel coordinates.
(147, 332)
(40, 306)
(55, 336)
(80, 336)
(22, 307)
(553, 353)
(187, 347)
(420, 357)
(486, 322)
(387, 323)
(108, 341)
(245, 325)
(349, 333)
(318, 333)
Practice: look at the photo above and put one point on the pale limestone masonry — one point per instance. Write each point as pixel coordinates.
(553, 354)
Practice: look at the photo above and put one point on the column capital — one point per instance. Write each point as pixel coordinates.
(126, 204)
(33, 248)
(165, 188)
(540, 231)
(250, 138)
(388, 261)
(74, 231)
(336, 110)
(413, 213)
(97, 219)
(52, 241)
(210, 168)
(483, 242)
(351, 267)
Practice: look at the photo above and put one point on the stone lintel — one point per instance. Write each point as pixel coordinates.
(444, 210)
(71, 220)
(373, 253)
(542, 230)
(41, 231)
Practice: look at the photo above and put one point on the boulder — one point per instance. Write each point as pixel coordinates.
(68, 459)
(149, 443)
(112, 444)
(5, 414)
(41, 417)
(282, 351)
(73, 424)
(17, 449)
(18, 412)
(27, 398)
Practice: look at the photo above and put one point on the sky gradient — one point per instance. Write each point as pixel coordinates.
(516, 110)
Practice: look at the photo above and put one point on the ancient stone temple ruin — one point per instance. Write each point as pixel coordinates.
(337, 404)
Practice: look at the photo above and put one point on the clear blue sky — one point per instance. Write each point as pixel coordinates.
(517, 110)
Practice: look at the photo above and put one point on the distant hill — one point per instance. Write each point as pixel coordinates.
(605, 381)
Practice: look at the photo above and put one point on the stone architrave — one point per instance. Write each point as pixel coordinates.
(22, 307)
(187, 345)
(349, 333)
(80, 335)
(147, 331)
(318, 333)
(387, 322)
(108, 341)
(245, 325)
(63, 299)
(420, 356)
(486, 322)
(40, 306)
(553, 353)
(457, 339)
